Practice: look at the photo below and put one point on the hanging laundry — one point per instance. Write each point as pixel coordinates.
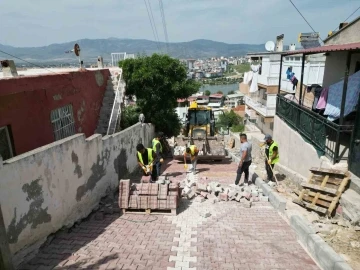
(317, 94)
(289, 72)
(294, 81)
(323, 99)
(254, 82)
(332, 109)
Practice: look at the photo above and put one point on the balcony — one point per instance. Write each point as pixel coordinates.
(331, 140)
(267, 80)
(259, 105)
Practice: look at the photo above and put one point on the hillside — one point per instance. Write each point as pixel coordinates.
(91, 48)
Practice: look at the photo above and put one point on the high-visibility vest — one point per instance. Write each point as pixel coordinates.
(192, 149)
(276, 159)
(150, 158)
(154, 143)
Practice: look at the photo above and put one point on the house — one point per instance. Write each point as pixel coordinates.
(39, 109)
(234, 100)
(313, 137)
(260, 98)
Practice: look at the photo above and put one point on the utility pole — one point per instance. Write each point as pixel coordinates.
(5, 255)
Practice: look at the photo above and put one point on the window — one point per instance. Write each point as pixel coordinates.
(263, 120)
(62, 120)
(297, 58)
(6, 148)
(264, 95)
(272, 126)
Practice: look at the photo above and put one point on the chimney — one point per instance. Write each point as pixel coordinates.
(292, 47)
(279, 43)
(100, 62)
(342, 25)
(9, 68)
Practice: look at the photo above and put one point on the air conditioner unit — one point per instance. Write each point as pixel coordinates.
(9, 68)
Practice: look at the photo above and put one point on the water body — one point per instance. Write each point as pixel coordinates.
(225, 88)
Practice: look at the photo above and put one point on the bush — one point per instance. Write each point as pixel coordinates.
(237, 128)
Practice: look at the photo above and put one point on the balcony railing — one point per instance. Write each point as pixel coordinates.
(259, 107)
(330, 139)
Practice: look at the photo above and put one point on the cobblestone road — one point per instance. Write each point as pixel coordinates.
(233, 237)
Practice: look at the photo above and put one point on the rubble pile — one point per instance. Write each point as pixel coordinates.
(214, 192)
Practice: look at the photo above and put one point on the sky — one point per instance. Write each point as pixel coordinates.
(27, 23)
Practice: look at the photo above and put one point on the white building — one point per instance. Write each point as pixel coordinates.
(261, 103)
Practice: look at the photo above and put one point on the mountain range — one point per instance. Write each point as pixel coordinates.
(92, 48)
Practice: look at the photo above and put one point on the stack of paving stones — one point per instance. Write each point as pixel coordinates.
(153, 196)
(203, 190)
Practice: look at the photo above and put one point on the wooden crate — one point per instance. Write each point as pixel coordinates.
(322, 191)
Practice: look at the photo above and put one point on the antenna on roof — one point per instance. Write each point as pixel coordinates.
(270, 46)
(76, 50)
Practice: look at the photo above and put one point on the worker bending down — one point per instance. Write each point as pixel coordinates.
(146, 158)
(193, 152)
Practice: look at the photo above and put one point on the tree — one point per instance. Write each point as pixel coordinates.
(158, 81)
(129, 116)
(207, 93)
(231, 92)
(219, 92)
(232, 120)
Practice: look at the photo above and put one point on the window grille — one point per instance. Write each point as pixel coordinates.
(62, 120)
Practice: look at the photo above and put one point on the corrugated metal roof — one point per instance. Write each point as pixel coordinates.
(329, 48)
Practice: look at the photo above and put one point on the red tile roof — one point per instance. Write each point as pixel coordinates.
(216, 95)
(328, 48)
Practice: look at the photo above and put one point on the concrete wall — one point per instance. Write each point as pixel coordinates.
(335, 67)
(53, 186)
(349, 34)
(295, 153)
(26, 104)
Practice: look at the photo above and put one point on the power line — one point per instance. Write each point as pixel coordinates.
(164, 24)
(29, 62)
(347, 18)
(152, 27)
(152, 16)
(304, 18)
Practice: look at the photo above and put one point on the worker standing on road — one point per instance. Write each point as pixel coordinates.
(245, 160)
(157, 148)
(193, 152)
(146, 158)
(272, 156)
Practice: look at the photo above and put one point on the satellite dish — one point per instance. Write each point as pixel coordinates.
(270, 46)
(77, 49)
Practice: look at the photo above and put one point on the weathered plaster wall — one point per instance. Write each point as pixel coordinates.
(57, 184)
(26, 104)
(349, 34)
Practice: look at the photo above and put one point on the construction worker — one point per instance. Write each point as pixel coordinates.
(245, 160)
(193, 152)
(146, 158)
(157, 148)
(272, 155)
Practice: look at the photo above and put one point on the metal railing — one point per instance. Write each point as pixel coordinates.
(332, 140)
(118, 102)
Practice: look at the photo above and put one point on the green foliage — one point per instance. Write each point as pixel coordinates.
(230, 119)
(237, 128)
(231, 92)
(207, 93)
(242, 68)
(129, 116)
(219, 92)
(158, 81)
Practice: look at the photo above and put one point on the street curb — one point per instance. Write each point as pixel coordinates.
(320, 251)
(276, 201)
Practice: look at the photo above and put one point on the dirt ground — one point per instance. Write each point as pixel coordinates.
(337, 232)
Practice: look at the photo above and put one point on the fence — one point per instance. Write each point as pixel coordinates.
(329, 138)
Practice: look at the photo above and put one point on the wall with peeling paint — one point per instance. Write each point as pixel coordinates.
(53, 186)
(26, 104)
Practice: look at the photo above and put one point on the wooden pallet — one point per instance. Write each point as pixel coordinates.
(170, 212)
(322, 191)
